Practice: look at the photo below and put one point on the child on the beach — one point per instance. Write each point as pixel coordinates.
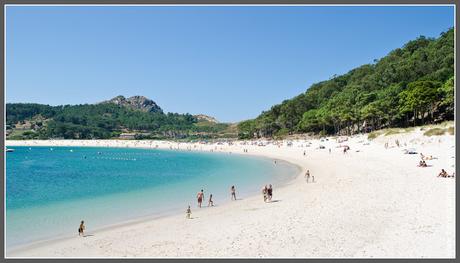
(81, 229)
(188, 212)
(265, 193)
(210, 203)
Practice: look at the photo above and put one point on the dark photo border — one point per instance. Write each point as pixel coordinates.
(203, 2)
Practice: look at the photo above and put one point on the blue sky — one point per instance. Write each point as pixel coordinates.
(228, 62)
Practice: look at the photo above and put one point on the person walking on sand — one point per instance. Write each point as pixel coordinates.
(188, 213)
(81, 229)
(200, 197)
(270, 192)
(210, 202)
(233, 192)
(307, 175)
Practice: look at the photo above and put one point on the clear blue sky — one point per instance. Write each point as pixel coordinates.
(227, 62)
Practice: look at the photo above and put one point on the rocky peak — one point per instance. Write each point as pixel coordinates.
(202, 117)
(136, 103)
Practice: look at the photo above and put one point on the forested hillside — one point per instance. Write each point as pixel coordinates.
(412, 85)
(106, 120)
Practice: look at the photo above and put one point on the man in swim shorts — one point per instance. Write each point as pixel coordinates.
(200, 197)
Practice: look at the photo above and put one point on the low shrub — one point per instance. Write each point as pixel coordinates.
(435, 132)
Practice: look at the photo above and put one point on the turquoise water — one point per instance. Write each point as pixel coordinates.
(50, 190)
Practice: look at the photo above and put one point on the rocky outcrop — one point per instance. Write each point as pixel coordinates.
(202, 117)
(136, 103)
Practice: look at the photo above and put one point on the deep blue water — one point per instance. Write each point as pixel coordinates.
(50, 189)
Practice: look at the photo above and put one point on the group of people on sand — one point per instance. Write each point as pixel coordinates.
(200, 198)
(423, 158)
(267, 192)
(422, 162)
(307, 176)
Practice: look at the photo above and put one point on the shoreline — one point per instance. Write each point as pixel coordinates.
(370, 202)
(138, 220)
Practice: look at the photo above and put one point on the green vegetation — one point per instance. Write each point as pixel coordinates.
(393, 132)
(435, 132)
(439, 129)
(104, 121)
(411, 86)
(373, 135)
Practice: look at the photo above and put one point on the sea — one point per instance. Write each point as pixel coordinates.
(49, 190)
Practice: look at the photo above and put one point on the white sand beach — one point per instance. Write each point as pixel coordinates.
(370, 202)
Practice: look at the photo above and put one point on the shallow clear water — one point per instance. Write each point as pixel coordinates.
(50, 190)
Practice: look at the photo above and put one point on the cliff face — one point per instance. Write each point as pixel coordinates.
(137, 103)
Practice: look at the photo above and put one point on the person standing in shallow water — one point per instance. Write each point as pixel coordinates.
(81, 229)
(200, 197)
(233, 191)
